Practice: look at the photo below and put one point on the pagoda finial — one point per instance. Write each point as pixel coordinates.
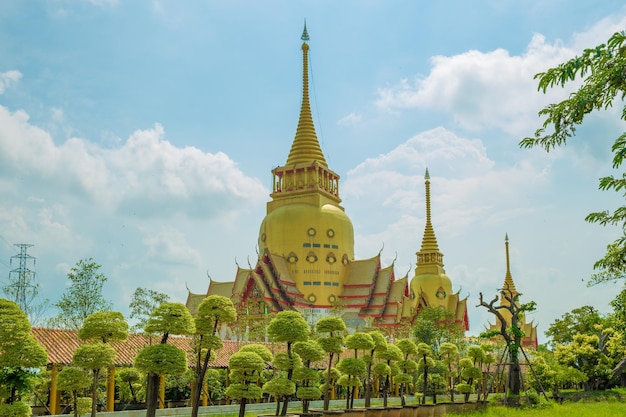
(305, 148)
(429, 242)
(305, 34)
(508, 278)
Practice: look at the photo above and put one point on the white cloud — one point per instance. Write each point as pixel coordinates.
(485, 90)
(351, 119)
(146, 174)
(9, 78)
(170, 246)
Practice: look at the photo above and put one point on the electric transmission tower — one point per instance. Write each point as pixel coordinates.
(22, 287)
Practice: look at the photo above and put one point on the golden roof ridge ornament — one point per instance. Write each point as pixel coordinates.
(305, 148)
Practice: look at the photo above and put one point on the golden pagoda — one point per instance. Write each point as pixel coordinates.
(431, 287)
(508, 291)
(306, 248)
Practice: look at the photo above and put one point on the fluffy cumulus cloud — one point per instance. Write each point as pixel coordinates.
(147, 175)
(148, 211)
(465, 184)
(492, 89)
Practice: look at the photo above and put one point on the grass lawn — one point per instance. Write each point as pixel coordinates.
(579, 409)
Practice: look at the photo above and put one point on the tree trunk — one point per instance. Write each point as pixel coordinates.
(75, 402)
(152, 395)
(242, 408)
(368, 383)
(94, 392)
(197, 392)
(327, 386)
(289, 376)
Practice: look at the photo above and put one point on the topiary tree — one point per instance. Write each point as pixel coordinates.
(384, 369)
(309, 351)
(356, 342)
(17, 409)
(94, 357)
(20, 352)
(245, 369)
(331, 330)
(407, 366)
(288, 327)
(128, 377)
(380, 344)
(102, 327)
(163, 359)
(73, 379)
(426, 362)
(449, 354)
(212, 311)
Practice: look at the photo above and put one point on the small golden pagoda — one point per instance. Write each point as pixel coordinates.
(508, 289)
(431, 287)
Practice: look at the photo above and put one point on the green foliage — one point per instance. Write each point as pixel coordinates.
(309, 393)
(382, 369)
(581, 320)
(586, 355)
(351, 366)
(435, 325)
(602, 68)
(17, 409)
(331, 324)
(83, 297)
(331, 344)
(104, 326)
(360, 341)
(259, 349)
(94, 356)
(212, 310)
(244, 391)
(279, 387)
(18, 347)
(392, 353)
(288, 326)
(161, 359)
(305, 374)
(283, 362)
(72, 378)
(464, 388)
(309, 351)
(142, 304)
(170, 318)
(83, 405)
(245, 365)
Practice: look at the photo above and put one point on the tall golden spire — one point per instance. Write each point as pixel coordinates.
(429, 242)
(508, 279)
(305, 147)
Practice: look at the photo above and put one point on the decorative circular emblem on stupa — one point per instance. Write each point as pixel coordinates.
(332, 299)
(344, 259)
(311, 298)
(311, 257)
(441, 293)
(292, 258)
(311, 231)
(262, 237)
(330, 233)
(330, 258)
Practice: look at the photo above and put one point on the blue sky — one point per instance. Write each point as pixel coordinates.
(143, 133)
